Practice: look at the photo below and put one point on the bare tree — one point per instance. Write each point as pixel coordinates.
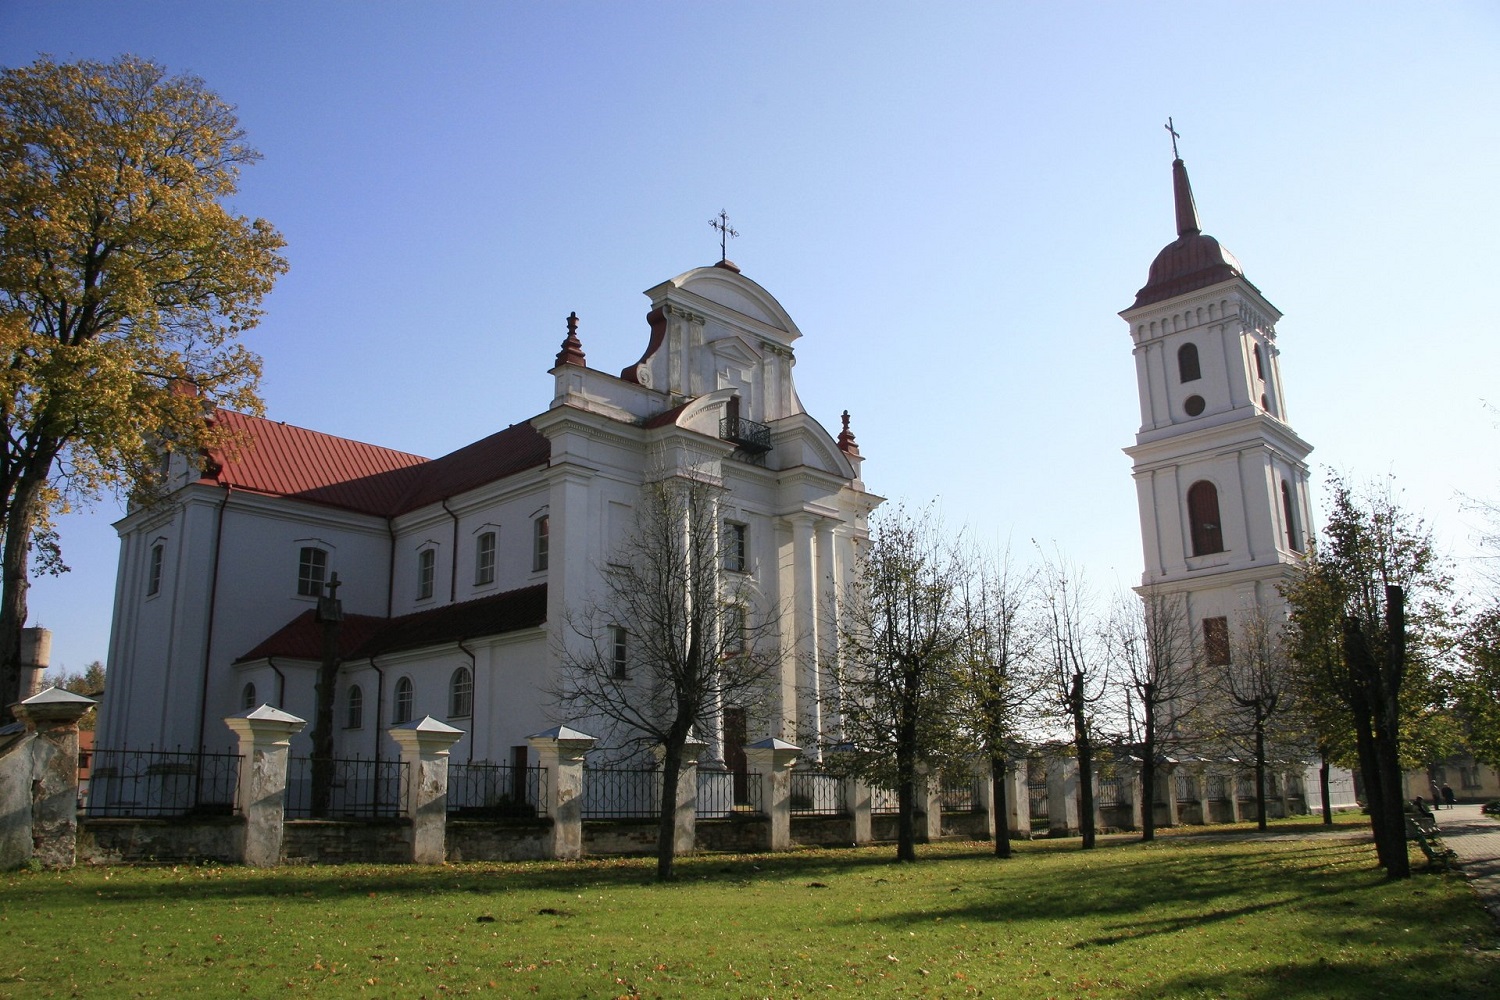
(1002, 634)
(903, 634)
(1151, 641)
(1259, 694)
(1077, 673)
(669, 641)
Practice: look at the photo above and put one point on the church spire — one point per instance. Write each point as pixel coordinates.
(1182, 196)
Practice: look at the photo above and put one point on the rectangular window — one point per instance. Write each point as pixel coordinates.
(539, 545)
(153, 576)
(736, 548)
(620, 652)
(1216, 641)
(312, 570)
(734, 630)
(426, 573)
(484, 559)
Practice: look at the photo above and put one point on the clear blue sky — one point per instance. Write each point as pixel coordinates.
(952, 200)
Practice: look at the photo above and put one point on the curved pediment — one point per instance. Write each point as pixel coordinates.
(728, 295)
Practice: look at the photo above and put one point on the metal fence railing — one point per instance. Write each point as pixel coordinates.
(1217, 788)
(962, 794)
(814, 793)
(496, 791)
(1185, 787)
(162, 783)
(357, 788)
(884, 801)
(1036, 796)
(722, 793)
(621, 793)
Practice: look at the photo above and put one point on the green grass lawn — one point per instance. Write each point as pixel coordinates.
(1236, 916)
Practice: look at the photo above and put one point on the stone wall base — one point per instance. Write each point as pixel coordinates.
(107, 841)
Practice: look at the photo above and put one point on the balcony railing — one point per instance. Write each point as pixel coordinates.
(752, 437)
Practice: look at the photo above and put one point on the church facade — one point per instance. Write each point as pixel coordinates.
(458, 573)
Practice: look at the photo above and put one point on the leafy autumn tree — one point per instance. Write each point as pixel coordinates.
(1370, 614)
(89, 683)
(124, 284)
(1477, 686)
(670, 641)
(903, 636)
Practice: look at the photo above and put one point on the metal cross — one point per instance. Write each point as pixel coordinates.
(721, 223)
(1175, 136)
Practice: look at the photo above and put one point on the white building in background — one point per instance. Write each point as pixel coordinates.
(457, 573)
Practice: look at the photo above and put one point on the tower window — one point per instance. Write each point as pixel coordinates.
(1187, 363)
(426, 573)
(1203, 518)
(620, 652)
(153, 576)
(354, 715)
(1293, 535)
(1260, 371)
(1216, 641)
(247, 697)
(484, 559)
(734, 629)
(1193, 405)
(539, 544)
(312, 570)
(461, 694)
(401, 710)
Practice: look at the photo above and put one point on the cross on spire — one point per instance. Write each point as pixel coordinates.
(1175, 136)
(721, 224)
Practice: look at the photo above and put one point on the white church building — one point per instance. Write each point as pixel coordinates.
(456, 572)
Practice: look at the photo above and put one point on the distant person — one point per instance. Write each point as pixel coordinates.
(1437, 796)
(1449, 797)
(1421, 806)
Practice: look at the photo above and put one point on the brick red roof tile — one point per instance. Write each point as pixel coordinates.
(364, 636)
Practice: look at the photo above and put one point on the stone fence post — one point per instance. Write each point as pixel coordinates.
(560, 751)
(1062, 797)
(424, 747)
(774, 759)
(685, 821)
(265, 742)
(53, 715)
(927, 798)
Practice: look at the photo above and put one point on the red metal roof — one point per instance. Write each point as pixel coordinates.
(279, 459)
(364, 636)
(282, 460)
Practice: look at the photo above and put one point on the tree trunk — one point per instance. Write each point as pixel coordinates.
(1390, 671)
(998, 802)
(14, 584)
(1323, 769)
(1260, 769)
(666, 831)
(1148, 784)
(1359, 667)
(1085, 763)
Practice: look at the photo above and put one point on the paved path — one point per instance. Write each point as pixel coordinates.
(1475, 838)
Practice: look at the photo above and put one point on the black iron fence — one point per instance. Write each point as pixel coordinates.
(496, 791)
(722, 793)
(814, 793)
(1036, 796)
(962, 794)
(1185, 787)
(884, 801)
(162, 783)
(1113, 792)
(357, 788)
(621, 793)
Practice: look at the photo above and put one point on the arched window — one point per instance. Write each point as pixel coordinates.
(355, 702)
(153, 576)
(1293, 533)
(1203, 518)
(1187, 363)
(1260, 370)
(461, 694)
(247, 697)
(539, 544)
(401, 710)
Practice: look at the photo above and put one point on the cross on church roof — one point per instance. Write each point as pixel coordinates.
(1175, 136)
(721, 223)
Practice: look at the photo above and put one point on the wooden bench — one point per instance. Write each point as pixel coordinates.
(1424, 830)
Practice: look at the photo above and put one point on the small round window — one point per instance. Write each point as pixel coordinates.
(1193, 405)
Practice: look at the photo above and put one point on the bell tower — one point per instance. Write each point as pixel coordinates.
(1220, 475)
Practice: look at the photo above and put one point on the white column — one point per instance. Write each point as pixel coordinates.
(265, 742)
(773, 760)
(424, 747)
(805, 625)
(559, 753)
